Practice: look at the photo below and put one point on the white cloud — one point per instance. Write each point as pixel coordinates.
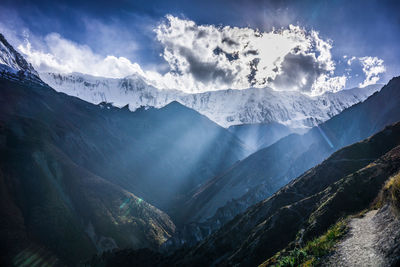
(372, 67)
(231, 57)
(208, 57)
(328, 84)
(350, 60)
(65, 56)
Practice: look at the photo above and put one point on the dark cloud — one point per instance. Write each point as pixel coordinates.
(229, 42)
(230, 56)
(297, 68)
(361, 27)
(253, 71)
(201, 34)
(206, 72)
(251, 52)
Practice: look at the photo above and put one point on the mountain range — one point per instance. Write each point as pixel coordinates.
(225, 107)
(291, 227)
(262, 173)
(139, 176)
(79, 177)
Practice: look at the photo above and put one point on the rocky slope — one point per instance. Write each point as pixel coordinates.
(226, 107)
(262, 173)
(77, 178)
(367, 238)
(373, 239)
(183, 147)
(358, 247)
(346, 183)
(52, 205)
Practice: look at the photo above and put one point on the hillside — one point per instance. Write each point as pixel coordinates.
(79, 178)
(258, 136)
(346, 183)
(262, 173)
(50, 205)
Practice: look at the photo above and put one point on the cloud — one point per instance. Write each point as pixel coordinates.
(232, 57)
(350, 60)
(372, 67)
(65, 56)
(208, 57)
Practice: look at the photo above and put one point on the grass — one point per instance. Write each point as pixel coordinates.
(392, 186)
(323, 245)
(310, 254)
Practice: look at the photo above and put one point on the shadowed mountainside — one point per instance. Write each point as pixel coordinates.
(262, 173)
(344, 184)
(258, 136)
(50, 205)
(78, 177)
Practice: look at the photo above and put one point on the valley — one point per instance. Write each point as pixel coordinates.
(281, 165)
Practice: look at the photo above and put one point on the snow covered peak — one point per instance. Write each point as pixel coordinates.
(12, 62)
(225, 107)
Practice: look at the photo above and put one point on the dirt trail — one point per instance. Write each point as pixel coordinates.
(358, 247)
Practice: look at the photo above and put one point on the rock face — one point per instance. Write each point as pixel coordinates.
(344, 184)
(78, 178)
(226, 107)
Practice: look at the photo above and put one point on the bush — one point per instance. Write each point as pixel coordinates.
(323, 245)
(393, 187)
(295, 258)
(311, 254)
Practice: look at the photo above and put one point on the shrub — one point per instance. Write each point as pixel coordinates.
(310, 254)
(393, 188)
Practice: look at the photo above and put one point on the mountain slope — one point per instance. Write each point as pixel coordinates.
(78, 178)
(225, 107)
(344, 184)
(374, 238)
(50, 204)
(161, 154)
(12, 61)
(262, 173)
(258, 136)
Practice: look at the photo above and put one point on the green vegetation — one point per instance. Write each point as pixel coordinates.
(310, 254)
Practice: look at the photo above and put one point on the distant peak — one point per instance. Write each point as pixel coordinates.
(175, 104)
(13, 62)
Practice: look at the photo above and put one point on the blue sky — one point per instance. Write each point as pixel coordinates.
(124, 28)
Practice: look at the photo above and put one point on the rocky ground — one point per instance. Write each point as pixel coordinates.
(373, 240)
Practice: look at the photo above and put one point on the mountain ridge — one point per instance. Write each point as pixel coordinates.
(248, 106)
(82, 178)
(259, 175)
(345, 184)
(13, 62)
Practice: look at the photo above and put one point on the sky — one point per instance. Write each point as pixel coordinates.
(197, 46)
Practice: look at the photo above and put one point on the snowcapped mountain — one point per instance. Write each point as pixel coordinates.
(11, 62)
(225, 107)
